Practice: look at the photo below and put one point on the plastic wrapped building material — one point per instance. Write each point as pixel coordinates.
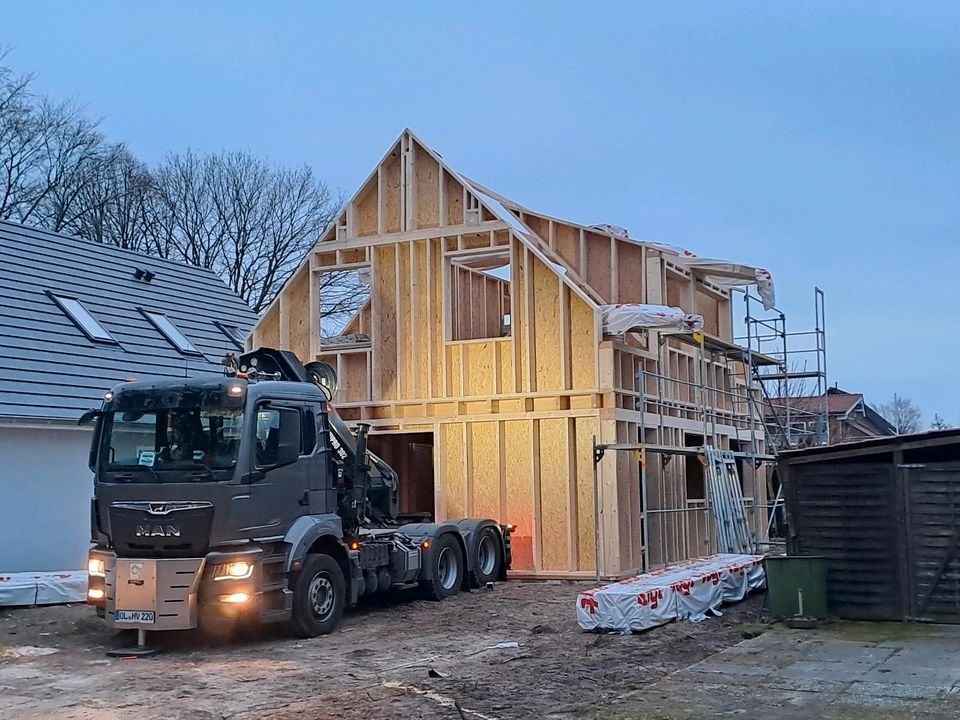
(43, 588)
(687, 590)
(623, 318)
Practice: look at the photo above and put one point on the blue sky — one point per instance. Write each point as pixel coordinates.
(821, 140)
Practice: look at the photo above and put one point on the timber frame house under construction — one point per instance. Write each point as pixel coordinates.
(479, 358)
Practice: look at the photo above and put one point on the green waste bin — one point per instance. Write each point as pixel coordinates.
(790, 577)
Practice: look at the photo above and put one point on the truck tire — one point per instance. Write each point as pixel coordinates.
(319, 592)
(447, 575)
(489, 557)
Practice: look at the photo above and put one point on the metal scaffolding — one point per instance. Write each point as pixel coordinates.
(750, 385)
(794, 391)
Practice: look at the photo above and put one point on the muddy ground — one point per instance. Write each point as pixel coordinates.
(401, 658)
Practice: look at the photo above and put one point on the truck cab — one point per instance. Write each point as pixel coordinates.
(246, 496)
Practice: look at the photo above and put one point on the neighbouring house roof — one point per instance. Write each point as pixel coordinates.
(839, 404)
(54, 366)
(836, 404)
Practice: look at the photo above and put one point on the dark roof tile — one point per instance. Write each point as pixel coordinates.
(48, 367)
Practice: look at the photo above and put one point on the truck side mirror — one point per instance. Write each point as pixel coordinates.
(89, 416)
(288, 447)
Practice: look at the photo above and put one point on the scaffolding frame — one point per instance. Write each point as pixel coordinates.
(743, 403)
(789, 421)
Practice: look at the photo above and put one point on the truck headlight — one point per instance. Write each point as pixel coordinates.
(239, 570)
(96, 567)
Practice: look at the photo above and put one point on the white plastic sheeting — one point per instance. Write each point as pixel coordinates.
(623, 318)
(725, 273)
(43, 588)
(683, 591)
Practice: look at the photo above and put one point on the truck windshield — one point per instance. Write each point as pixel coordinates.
(172, 439)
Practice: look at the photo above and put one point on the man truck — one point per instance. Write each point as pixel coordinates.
(246, 497)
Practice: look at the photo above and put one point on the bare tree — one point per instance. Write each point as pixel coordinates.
(48, 153)
(902, 414)
(939, 423)
(248, 220)
(119, 205)
(234, 213)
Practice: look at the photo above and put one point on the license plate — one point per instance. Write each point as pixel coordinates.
(138, 617)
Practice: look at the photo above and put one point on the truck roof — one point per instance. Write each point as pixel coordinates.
(219, 384)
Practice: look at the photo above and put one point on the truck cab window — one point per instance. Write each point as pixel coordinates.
(279, 436)
(308, 433)
(268, 436)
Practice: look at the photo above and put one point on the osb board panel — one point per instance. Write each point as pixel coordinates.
(435, 330)
(567, 239)
(630, 272)
(479, 359)
(677, 293)
(421, 331)
(353, 381)
(384, 320)
(453, 199)
(585, 430)
(268, 331)
(505, 356)
(538, 225)
(393, 191)
(583, 344)
(554, 494)
(708, 307)
(546, 308)
(455, 376)
(367, 210)
(519, 321)
(406, 375)
(484, 476)
(628, 498)
(599, 265)
(520, 509)
(298, 304)
(428, 190)
(452, 467)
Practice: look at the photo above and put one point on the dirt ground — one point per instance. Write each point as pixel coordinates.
(400, 658)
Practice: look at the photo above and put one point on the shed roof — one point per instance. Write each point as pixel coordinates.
(913, 441)
(50, 370)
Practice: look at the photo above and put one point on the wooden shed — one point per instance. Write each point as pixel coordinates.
(474, 347)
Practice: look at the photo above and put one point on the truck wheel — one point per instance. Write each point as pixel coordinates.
(489, 557)
(319, 592)
(447, 561)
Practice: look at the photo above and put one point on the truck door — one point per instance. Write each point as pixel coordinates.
(284, 447)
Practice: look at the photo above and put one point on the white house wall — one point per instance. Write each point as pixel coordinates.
(45, 491)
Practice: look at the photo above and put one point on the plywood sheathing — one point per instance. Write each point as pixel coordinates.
(513, 412)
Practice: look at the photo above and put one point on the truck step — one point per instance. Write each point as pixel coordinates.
(276, 615)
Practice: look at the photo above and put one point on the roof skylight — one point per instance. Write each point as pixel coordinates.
(171, 332)
(83, 319)
(233, 332)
